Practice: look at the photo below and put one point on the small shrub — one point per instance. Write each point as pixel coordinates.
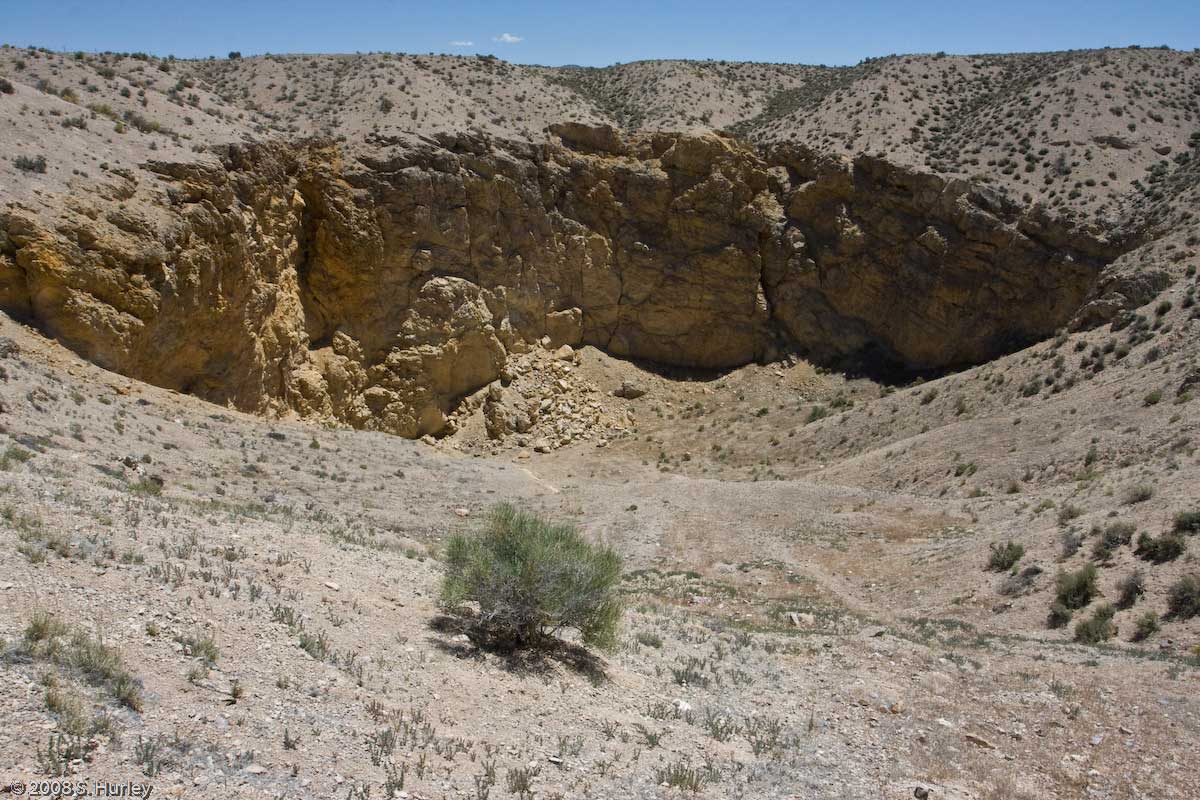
(1145, 627)
(1183, 598)
(1130, 588)
(1097, 628)
(1070, 542)
(1160, 550)
(1019, 583)
(1138, 494)
(201, 645)
(1076, 589)
(1059, 615)
(1112, 537)
(100, 664)
(532, 578)
(6, 87)
(1004, 556)
(719, 726)
(681, 775)
(1068, 512)
(27, 164)
(1187, 522)
(649, 639)
(44, 626)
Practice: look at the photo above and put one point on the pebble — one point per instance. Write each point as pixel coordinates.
(979, 741)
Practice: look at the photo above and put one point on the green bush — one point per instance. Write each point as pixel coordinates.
(1138, 494)
(1076, 589)
(1160, 550)
(1112, 537)
(1187, 522)
(1059, 616)
(531, 579)
(1097, 628)
(1183, 599)
(1130, 588)
(1145, 627)
(1004, 556)
(27, 164)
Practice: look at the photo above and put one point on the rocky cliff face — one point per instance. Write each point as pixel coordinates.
(379, 283)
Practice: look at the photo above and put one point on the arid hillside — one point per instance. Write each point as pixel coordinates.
(881, 380)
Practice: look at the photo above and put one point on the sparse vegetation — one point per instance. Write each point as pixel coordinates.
(1130, 589)
(30, 163)
(1145, 627)
(1004, 556)
(1097, 628)
(1110, 538)
(1183, 598)
(1074, 590)
(1160, 549)
(48, 638)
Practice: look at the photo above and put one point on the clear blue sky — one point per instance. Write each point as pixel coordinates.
(602, 31)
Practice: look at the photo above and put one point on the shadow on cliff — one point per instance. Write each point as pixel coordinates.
(872, 362)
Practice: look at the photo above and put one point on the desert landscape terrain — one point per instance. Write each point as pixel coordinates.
(881, 380)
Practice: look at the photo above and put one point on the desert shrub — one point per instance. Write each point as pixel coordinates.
(1161, 549)
(650, 639)
(1130, 588)
(27, 164)
(1020, 582)
(1059, 615)
(1070, 542)
(1068, 512)
(1004, 556)
(1110, 538)
(6, 87)
(1076, 589)
(1097, 628)
(531, 579)
(681, 775)
(1138, 494)
(1183, 598)
(1187, 522)
(1145, 627)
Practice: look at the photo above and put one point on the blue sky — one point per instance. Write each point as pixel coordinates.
(599, 33)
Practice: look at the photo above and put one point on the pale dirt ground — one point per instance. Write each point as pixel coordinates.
(905, 670)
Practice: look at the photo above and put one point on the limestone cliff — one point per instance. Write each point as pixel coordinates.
(379, 283)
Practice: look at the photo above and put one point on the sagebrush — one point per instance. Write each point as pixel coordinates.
(532, 579)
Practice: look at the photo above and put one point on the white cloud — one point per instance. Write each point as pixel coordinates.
(508, 38)
(461, 43)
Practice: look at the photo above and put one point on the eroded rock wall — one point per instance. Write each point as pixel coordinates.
(379, 283)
